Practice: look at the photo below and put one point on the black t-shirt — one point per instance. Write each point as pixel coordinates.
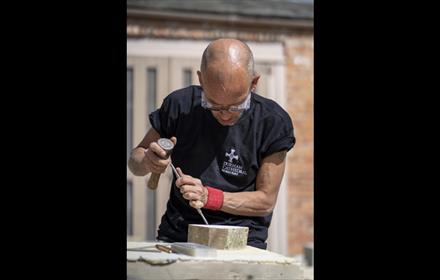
(224, 157)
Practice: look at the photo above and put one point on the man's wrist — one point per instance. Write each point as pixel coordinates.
(214, 200)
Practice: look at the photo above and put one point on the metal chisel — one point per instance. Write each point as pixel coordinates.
(198, 209)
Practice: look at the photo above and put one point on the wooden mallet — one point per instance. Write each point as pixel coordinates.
(168, 146)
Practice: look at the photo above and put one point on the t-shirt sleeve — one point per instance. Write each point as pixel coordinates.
(278, 135)
(163, 120)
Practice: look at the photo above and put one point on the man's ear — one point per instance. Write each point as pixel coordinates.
(255, 82)
(199, 74)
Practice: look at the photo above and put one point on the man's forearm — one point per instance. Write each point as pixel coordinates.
(254, 203)
(135, 163)
(262, 201)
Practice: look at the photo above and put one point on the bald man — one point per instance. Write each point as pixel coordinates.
(230, 147)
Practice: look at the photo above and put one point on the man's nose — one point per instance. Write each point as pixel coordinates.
(225, 112)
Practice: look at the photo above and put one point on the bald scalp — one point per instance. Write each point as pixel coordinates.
(224, 56)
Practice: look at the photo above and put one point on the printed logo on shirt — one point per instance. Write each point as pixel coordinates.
(231, 165)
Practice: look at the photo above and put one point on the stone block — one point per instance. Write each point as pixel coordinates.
(219, 236)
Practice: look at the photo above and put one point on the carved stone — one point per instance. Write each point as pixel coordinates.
(218, 236)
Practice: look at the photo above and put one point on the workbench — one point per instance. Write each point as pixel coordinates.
(144, 261)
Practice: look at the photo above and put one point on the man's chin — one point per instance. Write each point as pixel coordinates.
(227, 123)
(233, 120)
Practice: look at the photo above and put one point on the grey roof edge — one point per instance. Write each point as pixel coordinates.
(140, 12)
(287, 9)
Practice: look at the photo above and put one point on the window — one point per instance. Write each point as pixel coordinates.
(129, 147)
(187, 77)
(129, 111)
(129, 208)
(151, 194)
(151, 89)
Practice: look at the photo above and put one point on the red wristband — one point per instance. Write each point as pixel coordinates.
(215, 199)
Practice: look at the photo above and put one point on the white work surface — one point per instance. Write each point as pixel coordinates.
(249, 263)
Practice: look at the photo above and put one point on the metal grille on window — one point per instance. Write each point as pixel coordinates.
(151, 194)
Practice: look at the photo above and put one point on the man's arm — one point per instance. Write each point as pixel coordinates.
(260, 202)
(144, 158)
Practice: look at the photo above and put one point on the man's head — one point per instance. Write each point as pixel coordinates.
(227, 76)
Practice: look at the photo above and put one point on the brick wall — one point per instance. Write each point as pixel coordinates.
(299, 89)
(299, 103)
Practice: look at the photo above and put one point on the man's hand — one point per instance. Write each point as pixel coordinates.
(192, 189)
(154, 159)
(147, 156)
